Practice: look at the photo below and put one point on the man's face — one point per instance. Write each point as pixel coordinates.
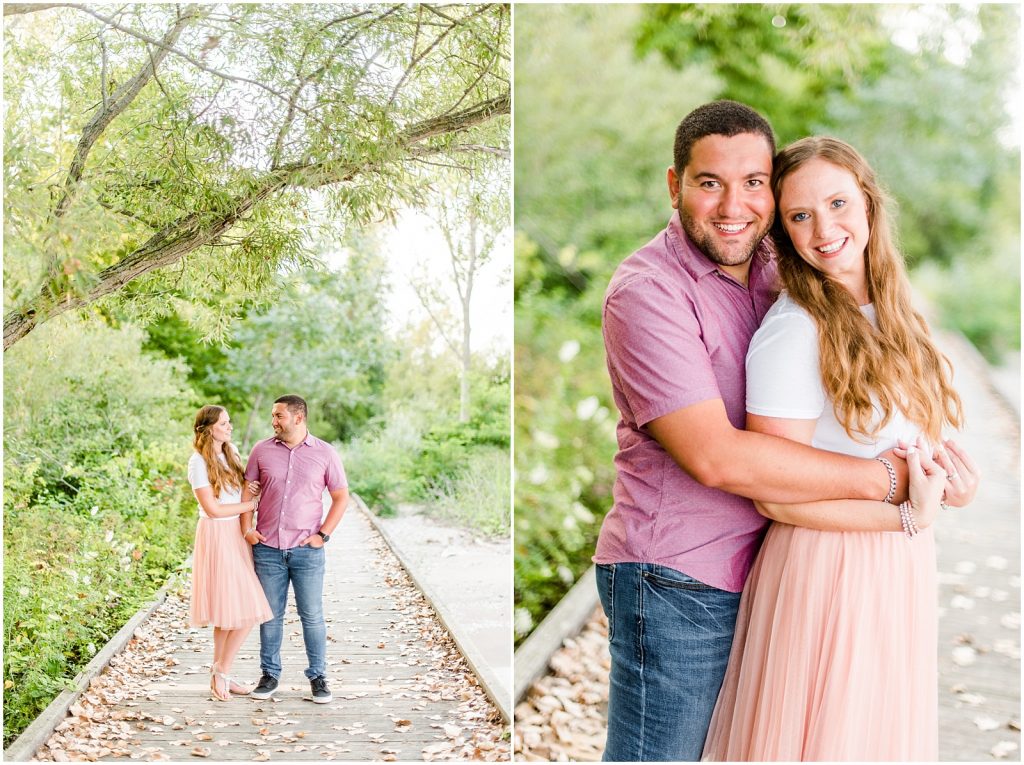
(285, 423)
(724, 198)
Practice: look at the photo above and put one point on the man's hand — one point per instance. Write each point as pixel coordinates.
(253, 537)
(962, 475)
(312, 541)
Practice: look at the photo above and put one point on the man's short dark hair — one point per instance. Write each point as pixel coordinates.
(723, 117)
(295, 404)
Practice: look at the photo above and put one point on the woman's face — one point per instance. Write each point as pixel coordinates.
(221, 430)
(826, 216)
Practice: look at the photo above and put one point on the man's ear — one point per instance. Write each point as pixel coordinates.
(673, 187)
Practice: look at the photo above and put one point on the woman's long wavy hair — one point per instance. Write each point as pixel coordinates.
(898, 363)
(221, 476)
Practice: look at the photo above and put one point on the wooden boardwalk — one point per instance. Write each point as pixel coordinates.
(401, 690)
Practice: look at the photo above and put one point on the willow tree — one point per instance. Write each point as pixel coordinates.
(165, 154)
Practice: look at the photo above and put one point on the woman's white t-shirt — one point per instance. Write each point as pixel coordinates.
(198, 477)
(784, 380)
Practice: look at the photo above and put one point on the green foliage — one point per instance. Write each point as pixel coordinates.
(596, 128)
(83, 401)
(421, 453)
(976, 303)
(783, 59)
(70, 585)
(328, 99)
(477, 495)
(376, 462)
(445, 448)
(321, 339)
(565, 440)
(97, 511)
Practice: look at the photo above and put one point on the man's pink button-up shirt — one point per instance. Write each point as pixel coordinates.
(676, 331)
(292, 484)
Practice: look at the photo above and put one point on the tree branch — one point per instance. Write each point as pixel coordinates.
(191, 59)
(119, 100)
(199, 229)
(419, 289)
(496, 150)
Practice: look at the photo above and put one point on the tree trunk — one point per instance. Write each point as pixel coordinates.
(466, 298)
(252, 419)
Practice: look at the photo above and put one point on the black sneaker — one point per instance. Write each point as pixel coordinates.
(266, 687)
(321, 693)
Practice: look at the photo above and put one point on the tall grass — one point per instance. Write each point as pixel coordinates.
(478, 496)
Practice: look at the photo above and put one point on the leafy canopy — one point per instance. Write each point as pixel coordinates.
(176, 148)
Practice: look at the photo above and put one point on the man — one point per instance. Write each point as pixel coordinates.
(676, 547)
(293, 469)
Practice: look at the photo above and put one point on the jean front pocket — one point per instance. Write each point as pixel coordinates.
(672, 579)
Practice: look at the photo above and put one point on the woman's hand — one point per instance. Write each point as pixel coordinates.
(927, 482)
(254, 488)
(962, 475)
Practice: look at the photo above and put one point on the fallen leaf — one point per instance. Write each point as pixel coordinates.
(986, 723)
(200, 751)
(1003, 749)
(964, 655)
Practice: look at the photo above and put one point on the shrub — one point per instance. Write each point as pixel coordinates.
(97, 511)
(376, 463)
(565, 442)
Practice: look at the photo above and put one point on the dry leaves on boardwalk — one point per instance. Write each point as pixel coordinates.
(562, 718)
(120, 715)
(478, 733)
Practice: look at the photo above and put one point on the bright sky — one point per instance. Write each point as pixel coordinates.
(415, 240)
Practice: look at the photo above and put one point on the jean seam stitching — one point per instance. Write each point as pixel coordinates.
(643, 683)
(611, 603)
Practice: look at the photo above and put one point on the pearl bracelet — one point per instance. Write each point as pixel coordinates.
(908, 521)
(892, 479)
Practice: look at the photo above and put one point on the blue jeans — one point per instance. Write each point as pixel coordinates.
(304, 568)
(670, 637)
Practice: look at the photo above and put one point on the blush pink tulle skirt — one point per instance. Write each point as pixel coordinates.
(835, 654)
(225, 590)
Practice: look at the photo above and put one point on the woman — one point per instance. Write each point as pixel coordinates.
(225, 590)
(834, 656)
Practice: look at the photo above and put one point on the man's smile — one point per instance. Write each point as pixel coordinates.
(732, 228)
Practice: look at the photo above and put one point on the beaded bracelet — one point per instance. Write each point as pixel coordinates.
(908, 521)
(892, 479)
